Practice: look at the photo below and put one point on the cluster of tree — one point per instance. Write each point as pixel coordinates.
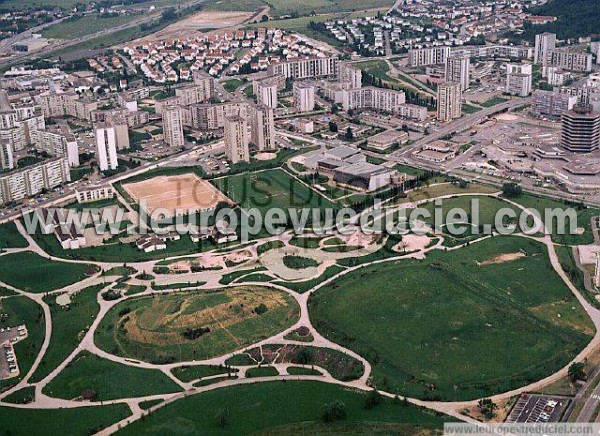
(334, 411)
(577, 372)
(487, 408)
(511, 190)
(191, 334)
(260, 309)
(575, 18)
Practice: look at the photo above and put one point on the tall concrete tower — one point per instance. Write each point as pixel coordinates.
(597, 278)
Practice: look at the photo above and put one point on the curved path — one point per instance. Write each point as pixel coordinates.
(87, 342)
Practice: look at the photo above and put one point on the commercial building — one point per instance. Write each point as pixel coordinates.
(518, 79)
(306, 68)
(304, 96)
(363, 176)
(262, 127)
(413, 112)
(106, 147)
(32, 180)
(97, 193)
(173, 126)
(385, 100)
(457, 70)
(581, 130)
(449, 101)
(386, 139)
(551, 104)
(236, 139)
(57, 140)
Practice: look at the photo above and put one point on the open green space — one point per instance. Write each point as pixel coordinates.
(190, 373)
(22, 310)
(299, 370)
(584, 217)
(69, 325)
(10, 236)
(30, 272)
(194, 325)
(457, 326)
(262, 371)
(291, 407)
(109, 380)
(22, 396)
(74, 421)
(78, 27)
(307, 285)
(299, 262)
(494, 101)
(270, 189)
(232, 84)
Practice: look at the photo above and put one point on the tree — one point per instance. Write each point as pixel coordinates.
(333, 127)
(349, 135)
(304, 356)
(222, 417)
(511, 190)
(373, 399)
(577, 372)
(487, 408)
(335, 411)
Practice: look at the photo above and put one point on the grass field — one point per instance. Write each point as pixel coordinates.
(277, 408)
(110, 380)
(44, 422)
(69, 325)
(442, 189)
(194, 325)
(86, 25)
(584, 217)
(451, 328)
(270, 189)
(22, 310)
(30, 272)
(262, 371)
(22, 396)
(10, 236)
(191, 373)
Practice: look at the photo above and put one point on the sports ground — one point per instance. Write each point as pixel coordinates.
(186, 191)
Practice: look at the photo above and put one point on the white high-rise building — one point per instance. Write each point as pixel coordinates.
(518, 79)
(236, 139)
(449, 102)
(545, 43)
(304, 96)
(173, 126)
(7, 161)
(457, 70)
(350, 74)
(262, 127)
(106, 147)
(266, 93)
(597, 277)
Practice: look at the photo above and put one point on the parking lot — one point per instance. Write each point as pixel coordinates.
(8, 359)
(538, 408)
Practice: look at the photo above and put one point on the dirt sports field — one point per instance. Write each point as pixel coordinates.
(186, 191)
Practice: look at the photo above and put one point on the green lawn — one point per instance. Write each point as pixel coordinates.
(109, 379)
(449, 328)
(76, 28)
(195, 324)
(69, 324)
(232, 84)
(494, 101)
(262, 371)
(30, 272)
(270, 189)
(278, 408)
(76, 421)
(299, 262)
(22, 310)
(584, 217)
(10, 236)
(191, 373)
(22, 396)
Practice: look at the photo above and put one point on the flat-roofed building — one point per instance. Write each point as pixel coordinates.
(449, 101)
(57, 140)
(386, 139)
(380, 99)
(97, 193)
(32, 180)
(173, 126)
(304, 96)
(518, 79)
(262, 127)
(551, 104)
(306, 68)
(581, 130)
(236, 139)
